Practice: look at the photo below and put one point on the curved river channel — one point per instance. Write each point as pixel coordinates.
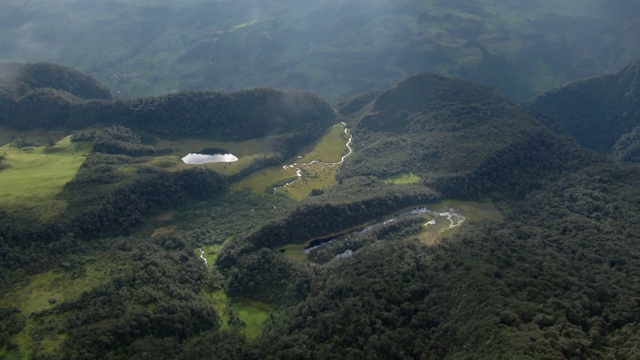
(454, 218)
(298, 166)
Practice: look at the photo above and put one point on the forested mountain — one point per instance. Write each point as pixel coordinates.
(148, 259)
(538, 285)
(25, 78)
(597, 112)
(46, 103)
(463, 139)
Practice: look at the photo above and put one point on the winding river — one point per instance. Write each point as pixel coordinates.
(454, 218)
(298, 167)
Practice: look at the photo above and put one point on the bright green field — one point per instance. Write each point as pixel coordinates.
(329, 150)
(36, 174)
(33, 295)
(474, 213)
(252, 313)
(404, 178)
(295, 252)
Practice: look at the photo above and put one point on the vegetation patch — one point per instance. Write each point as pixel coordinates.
(37, 136)
(315, 168)
(295, 252)
(44, 291)
(209, 252)
(441, 226)
(34, 175)
(173, 150)
(252, 314)
(219, 300)
(163, 230)
(403, 178)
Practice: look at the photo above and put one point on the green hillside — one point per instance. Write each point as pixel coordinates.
(597, 112)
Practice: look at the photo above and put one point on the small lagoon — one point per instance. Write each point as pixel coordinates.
(209, 156)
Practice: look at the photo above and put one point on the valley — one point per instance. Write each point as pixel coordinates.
(32, 176)
(433, 218)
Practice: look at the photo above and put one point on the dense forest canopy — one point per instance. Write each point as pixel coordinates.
(597, 112)
(423, 215)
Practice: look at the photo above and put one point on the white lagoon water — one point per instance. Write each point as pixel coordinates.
(198, 159)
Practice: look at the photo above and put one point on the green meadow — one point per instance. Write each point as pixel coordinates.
(252, 314)
(473, 212)
(246, 151)
(403, 178)
(32, 296)
(33, 176)
(317, 164)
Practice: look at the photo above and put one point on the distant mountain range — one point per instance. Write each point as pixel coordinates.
(334, 48)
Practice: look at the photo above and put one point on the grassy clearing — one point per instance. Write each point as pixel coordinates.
(315, 175)
(36, 174)
(474, 212)
(210, 253)
(219, 300)
(163, 230)
(295, 252)
(39, 136)
(246, 151)
(33, 296)
(403, 178)
(253, 314)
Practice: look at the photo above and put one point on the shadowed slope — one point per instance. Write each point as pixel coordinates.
(596, 112)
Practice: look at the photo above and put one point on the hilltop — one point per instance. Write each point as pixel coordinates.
(597, 112)
(452, 131)
(25, 78)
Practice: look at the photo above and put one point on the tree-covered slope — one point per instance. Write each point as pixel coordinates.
(53, 104)
(462, 138)
(596, 112)
(23, 78)
(460, 141)
(556, 280)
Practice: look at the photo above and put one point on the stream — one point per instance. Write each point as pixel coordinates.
(297, 166)
(454, 218)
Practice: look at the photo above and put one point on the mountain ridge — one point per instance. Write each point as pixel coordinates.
(596, 111)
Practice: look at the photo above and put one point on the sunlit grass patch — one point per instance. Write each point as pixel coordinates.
(294, 252)
(253, 314)
(33, 296)
(473, 212)
(39, 136)
(219, 300)
(317, 165)
(247, 152)
(403, 178)
(209, 252)
(34, 175)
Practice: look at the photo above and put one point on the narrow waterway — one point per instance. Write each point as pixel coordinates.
(298, 166)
